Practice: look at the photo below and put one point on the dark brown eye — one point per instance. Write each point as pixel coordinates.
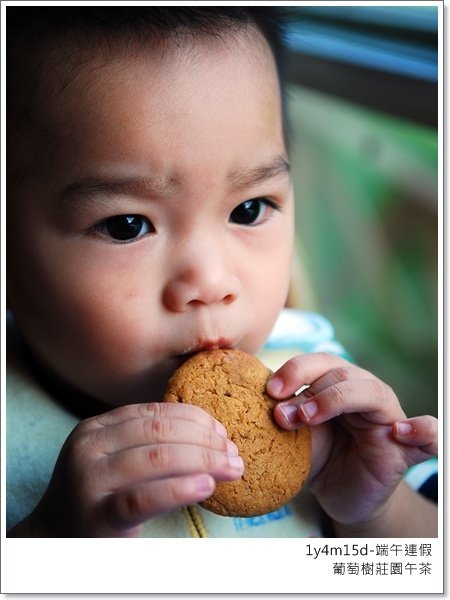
(125, 228)
(251, 212)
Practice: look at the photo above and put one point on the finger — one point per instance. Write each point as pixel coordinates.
(144, 431)
(371, 397)
(351, 389)
(131, 507)
(418, 431)
(161, 461)
(169, 410)
(302, 370)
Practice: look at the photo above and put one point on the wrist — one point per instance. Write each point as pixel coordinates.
(394, 518)
(388, 519)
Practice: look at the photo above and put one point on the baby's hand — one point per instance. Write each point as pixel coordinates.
(123, 467)
(362, 441)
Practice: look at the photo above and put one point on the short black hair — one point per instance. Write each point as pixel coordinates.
(26, 24)
(31, 29)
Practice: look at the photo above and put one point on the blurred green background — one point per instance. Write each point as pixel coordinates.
(365, 168)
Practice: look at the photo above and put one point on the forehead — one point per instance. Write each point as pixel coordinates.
(88, 95)
(75, 59)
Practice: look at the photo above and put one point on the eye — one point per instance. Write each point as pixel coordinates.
(125, 228)
(252, 212)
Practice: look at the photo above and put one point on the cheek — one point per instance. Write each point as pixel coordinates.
(270, 284)
(107, 313)
(97, 305)
(278, 261)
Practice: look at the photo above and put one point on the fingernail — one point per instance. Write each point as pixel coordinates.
(309, 409)
(236, 463)
(290, 413)
(232, 449)
(274, 386)
(404, 428)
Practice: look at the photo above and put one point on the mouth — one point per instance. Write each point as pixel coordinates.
(203, 345)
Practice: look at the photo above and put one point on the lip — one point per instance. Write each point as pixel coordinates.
(203, 345)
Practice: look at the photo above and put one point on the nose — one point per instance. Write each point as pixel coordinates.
(202, 275)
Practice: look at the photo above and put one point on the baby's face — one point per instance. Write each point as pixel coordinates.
(157, 220)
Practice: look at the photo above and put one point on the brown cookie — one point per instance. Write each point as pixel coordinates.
(230, 385)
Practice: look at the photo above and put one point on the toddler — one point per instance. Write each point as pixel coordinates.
(150, 216)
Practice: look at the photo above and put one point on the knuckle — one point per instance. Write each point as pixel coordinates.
(119, 510)
(87, 425)
(161, 457)
(157, 429)
(291, 366)
(326, 357)
(81, 443)
(383, 390)
(92, 443)
(293, 370)
(294, 367)
(150, 409)
(210, 439)
(340, 374)
(94, 473)
(390, 395)
(337, 394)
(175, 492)
(134, 506)
(209, 460)
(80, 431)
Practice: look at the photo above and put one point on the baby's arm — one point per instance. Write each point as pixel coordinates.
(121, 468)
(362, 446)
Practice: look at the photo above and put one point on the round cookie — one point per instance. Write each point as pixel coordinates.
(230, 385)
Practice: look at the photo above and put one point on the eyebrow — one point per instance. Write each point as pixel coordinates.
(246, 178)
(143, 187)
(140, 187)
